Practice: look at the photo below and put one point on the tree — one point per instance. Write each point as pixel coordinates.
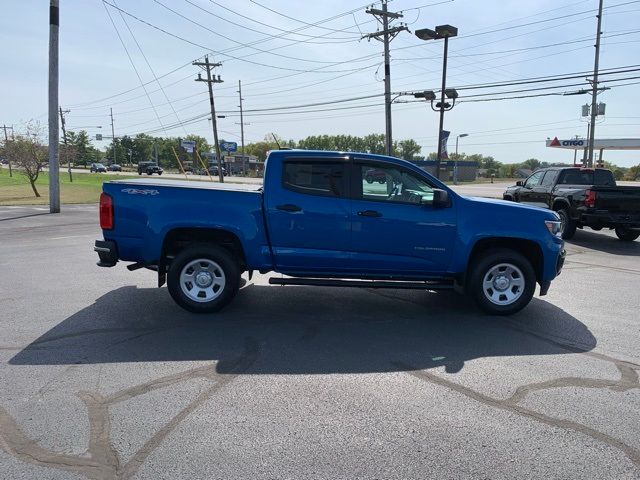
(508, 170)
(79, 148)
(408, 149)
(142, 148)
(532, 164)
(29, 154)
(633, 173)
(260, 149)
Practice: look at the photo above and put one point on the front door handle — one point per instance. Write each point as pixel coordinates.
(289, 208)
(369, 213)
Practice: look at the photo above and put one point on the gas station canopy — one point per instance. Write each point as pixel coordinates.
(598, 144)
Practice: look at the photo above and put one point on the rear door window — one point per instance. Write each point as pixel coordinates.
(549, 178)
(310, 177)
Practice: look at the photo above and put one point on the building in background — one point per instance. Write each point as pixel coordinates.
(467, 169)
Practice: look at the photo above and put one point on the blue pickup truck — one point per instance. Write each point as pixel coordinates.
(330, 219)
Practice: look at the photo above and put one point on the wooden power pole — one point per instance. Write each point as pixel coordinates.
(211, 79)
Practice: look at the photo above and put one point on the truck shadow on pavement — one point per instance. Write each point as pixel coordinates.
(303, 330)
(605, 243)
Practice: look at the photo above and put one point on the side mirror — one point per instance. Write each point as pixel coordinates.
(519, 183)
(440, 199)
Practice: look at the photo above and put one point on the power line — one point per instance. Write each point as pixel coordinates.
(137, 74)
(288, 57)
(332, 30)
(292, 18)
(287, 109)
(151, 69)
(206, 48)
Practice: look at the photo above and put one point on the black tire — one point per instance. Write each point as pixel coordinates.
(139, 173)
(159, 173)
(369, 180)
(495, 259)
(568, 224)
(626, 234)
(223, 260)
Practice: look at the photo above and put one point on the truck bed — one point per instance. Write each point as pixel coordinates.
(147, 209)
(169, 182)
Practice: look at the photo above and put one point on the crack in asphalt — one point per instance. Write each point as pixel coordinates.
(628, 380)
(102, 461)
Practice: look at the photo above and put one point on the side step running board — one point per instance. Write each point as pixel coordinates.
(334, 282)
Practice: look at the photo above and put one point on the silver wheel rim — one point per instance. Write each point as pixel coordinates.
(503, 284)
(202, 280)
(563, 221)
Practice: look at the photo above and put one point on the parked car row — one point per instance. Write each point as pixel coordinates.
(213, 170)
(100, 168)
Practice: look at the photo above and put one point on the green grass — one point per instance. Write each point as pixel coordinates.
(85, 188)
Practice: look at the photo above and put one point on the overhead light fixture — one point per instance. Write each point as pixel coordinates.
(426, 34)
(428, 95)
(451, 93)
(446, 31)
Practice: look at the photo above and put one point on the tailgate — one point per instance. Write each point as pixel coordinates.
(618, 199)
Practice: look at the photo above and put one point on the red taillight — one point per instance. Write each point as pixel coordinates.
(106, 212)
(590, 199)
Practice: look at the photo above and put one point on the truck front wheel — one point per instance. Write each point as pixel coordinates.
(203, 278)
(567, 224)
(502, 282)
(626, 234)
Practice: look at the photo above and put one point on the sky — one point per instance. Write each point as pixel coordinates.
(306, 70)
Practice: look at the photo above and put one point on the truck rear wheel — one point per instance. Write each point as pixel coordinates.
(567, 225)
(626, 234)
(203, 278)
(502, 282)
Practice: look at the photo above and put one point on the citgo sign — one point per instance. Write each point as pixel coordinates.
(567, 143)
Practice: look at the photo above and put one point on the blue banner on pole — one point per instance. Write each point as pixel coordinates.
(443, 142)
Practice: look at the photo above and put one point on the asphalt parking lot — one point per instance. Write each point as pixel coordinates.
(102, 376)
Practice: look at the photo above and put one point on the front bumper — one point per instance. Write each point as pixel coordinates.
(560, 262)
(544, 286)
(107, 250)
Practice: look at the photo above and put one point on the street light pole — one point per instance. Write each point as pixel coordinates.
(444, 85)
(441, 31)
(244, 168)
(54, 134)
(455, 163)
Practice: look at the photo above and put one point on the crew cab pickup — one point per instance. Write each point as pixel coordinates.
(318, 221)
(582, 197)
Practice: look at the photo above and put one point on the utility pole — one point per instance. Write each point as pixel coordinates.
(211, 80)
(113, 135)
(594, 93)
(54, 135)
(64, 139)
(6, 141)
(387, 35)
(244, 168)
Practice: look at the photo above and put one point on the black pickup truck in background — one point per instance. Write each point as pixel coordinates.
(582, 197)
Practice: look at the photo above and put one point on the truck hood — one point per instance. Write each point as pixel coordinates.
(504, 206)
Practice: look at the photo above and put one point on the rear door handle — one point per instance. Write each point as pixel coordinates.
(289, 208)
(369, 213)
